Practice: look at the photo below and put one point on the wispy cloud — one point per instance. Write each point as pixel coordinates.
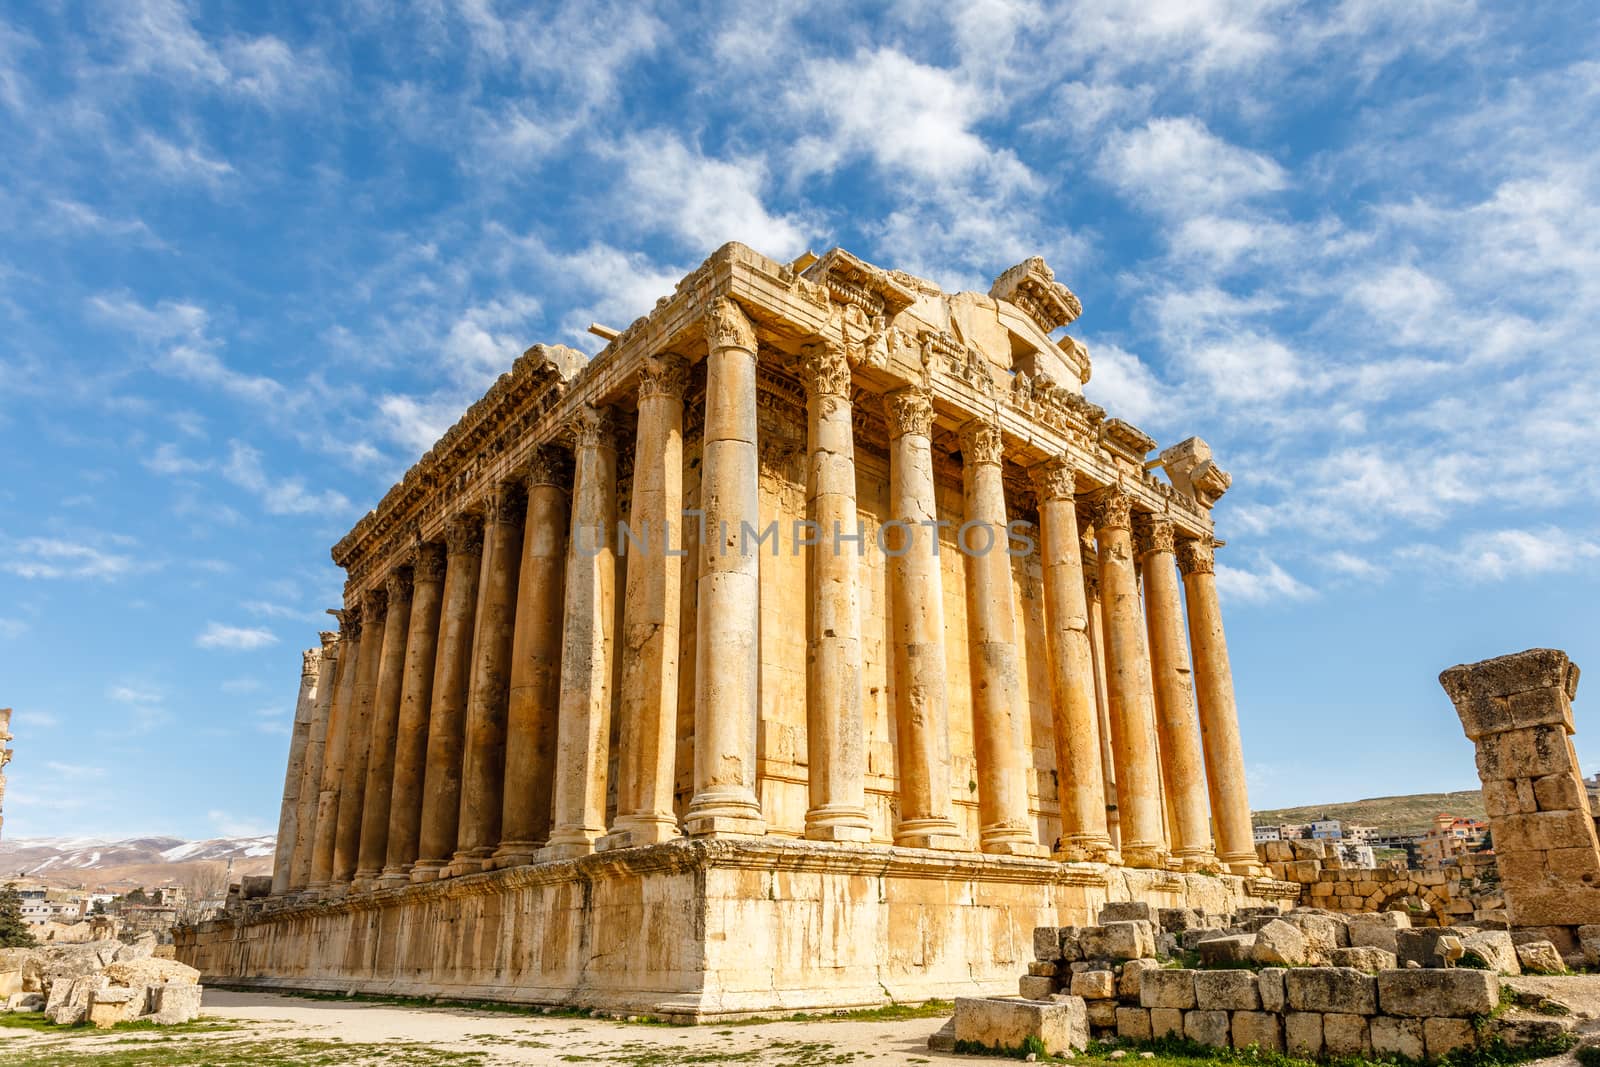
(235, 638)
(55, 558)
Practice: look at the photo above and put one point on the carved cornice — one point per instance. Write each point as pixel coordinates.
(1126, 440)
(550, 465)
(593, 427)
(908, 411)
(981, 444)
(727, 326)
(463, 535)
(966, 364)
(1037, 396)
(1032, 287)
(1054, 479)
(1111, 509)
(428, 563)
(1194, 473)
(824, 370)
(858, 284)
(398, 585)
(664, 375)
(1152, 533)
(1197, 556)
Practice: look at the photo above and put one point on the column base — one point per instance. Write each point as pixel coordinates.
(838, 823)
(633, 831)
(427, 870)
(1147, 856)
(934, 832)
(724, 826)
(724, 811)
(472, 861)
(335, 891)
(566, 850)
(394, 876)
(1199, 860)
(1027, 849)
(1249, 866)
(516, 854)
(1087, 848)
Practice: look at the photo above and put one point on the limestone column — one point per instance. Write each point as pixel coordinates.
(358, 739)
(1102, 697)
(411, 731)
(916, 611)
(835, 750)
(483, 773)
(1177, 724)
(1003, 819)
(321, 870)
(1219, 716)
(583, 731)
(536, 662)
(1080, 784)
(447, 717)
(648, 702)
(311, 772)
(728, 615)
(1128, 683)
(385, 731)
(299, 738)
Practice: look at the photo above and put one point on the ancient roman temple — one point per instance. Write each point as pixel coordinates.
(805, 648)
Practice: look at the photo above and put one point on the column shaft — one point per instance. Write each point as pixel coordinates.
(1102, 692)
(835, 751)
(536, 662)
(728, 616)
(1219, 715)
(1177, 724)
(916, 612)
(411, 731)
(1080, 784)
(385, 731)
(299, 738)
(447, 718)
(311, 774)
(583, 732)
(483, 773)
(358, 740)
(1004, 824)
(327, 823)
(1128, 682)
(648, 701)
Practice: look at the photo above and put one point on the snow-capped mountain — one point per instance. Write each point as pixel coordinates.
(73, 860)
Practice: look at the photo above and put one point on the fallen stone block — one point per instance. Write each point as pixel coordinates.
(1044, 968)
(1119, 940)
(1226, 991)
(1094, 985)
(1368, 959)
(1047, 943)
(1207, 1027)
(1261, 1029)
(73, 1007)
(1126, 911)
(1007, 1024)
(1331, 989)
(151, 971)
(1377, 929)
(113, 1005)
(1344, 1034)
(1167, 989)
(173, 1004)
(1519, 1032)
(1422, 945)
(1102, 1014)
(1393, 1036)
(1227, 948)
(1280, 942)
(1032, 987)
(1491, 950)
(1589, 942)
(1177, 920)
(1423, 993)
(1540, 957)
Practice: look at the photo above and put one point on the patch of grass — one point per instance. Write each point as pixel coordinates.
(39, 1021)
(1588, 1055)
(287, 1052)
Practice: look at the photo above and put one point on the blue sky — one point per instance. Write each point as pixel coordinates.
(255, 257)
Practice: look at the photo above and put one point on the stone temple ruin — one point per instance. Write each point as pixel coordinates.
(902, 650)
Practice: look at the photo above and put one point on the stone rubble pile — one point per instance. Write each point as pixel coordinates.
(99, 982)
(1305, 981)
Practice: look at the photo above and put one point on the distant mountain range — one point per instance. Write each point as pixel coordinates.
(145, 861)
(1410, 814)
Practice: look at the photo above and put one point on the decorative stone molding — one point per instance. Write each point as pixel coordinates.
(1196, 556)
(1055, 479)
(727, 326)
(398, 586)
(1126, 440)
(550, 465)
(375, 605)
(427, 562)
(824, 370)
(1112, 509)
(1037, 396)
(1077, 354)
(966, 364)
(1032, 287)
(330, 640)
(851, 282)
(981, 443)
(350, 622)
(509, 505)
(1152, 533)
(909, 411)
(463, 535)
(310, 664)
(594, 427)
(1194, 473)
(663, 375)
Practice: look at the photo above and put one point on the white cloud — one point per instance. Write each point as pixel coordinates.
(285, 496)
(134, 693)
(183, 162)
(28, 720)
(1494, 555)
(49, 558)
(1125, 386)
(12, 628)
(235, 638)
(1269, 582)
(1178, 167)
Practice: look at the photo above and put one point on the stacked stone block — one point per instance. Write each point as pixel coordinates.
(1517, 710)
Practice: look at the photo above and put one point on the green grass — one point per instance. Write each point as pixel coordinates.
(1411, 814)
(167, 1051)
(37, 1020)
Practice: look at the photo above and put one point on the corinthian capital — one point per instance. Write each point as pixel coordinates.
(909, 411)
(1153, 534)
(398, 585)
(593, 427)
(664, 375)
(463, 535)
(981, 443)
(310, 664)
(350, 621)
(1197, 556)
(727, 326)
(824, 370)
(1055, 479)
(1112, 510)
(375, 605)
(427, 563)
(550, 465)
(509, 504)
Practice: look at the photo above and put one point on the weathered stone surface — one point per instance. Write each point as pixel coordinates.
(1422, 946)
(1269, 983)
(1207, 1027)
(1094, 985)
(1228, 948)
(1129, 981)
(1119, 940)
(73, 1006)
(1331, 989)
(1033, 987)
(1102, 1013)
(115, 1004)
(1044, 968)
(1540, 957)
(1226, 991)
(1525, 1031)
(1261, 1029)
(1046, 943)
(1126, 911)
(1393, 1036)
(151, 971)
(1589, 942)
(1177, 920)
(1279, 942)
(1493, 949)
(1422, 993)
(1133, 1024)
(1370, 960)
(1377, 929)
(1443, 1036)
(1302, 1033)
(1166, 1022)
(1344, 1034)
(1005, 1024)
(1167, 989)
(172, 1004)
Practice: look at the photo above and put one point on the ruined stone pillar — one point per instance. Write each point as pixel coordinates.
(728, 615)
(648, 704)
(536, 661)
(447, 718)
(583, 732)
(299, 738)
(1517, 710)
(835, 751)
(320, 875)
(916, 611)
(1102, 696)
(1219, 716)
(358, 739)
(311, 771)
(385, 732)
(411, 732)
(1004, 825)
(1128, 682)
(1177, 724)
(1074, 717)
(483, 772)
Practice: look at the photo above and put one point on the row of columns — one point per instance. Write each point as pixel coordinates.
(459, 728)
